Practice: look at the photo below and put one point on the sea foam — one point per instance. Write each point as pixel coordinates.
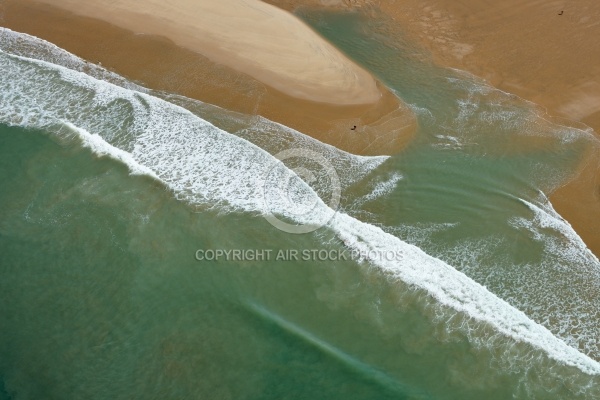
(206, 166)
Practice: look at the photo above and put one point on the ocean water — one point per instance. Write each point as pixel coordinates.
(109, 192)
(475, 182)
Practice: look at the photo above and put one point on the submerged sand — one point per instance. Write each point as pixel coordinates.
(522, 47)
(547, 52)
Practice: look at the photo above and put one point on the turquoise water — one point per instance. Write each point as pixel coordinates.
(108, 193)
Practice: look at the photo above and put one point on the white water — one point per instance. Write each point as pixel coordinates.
(268, 135)
(99, 147)
(206, 166)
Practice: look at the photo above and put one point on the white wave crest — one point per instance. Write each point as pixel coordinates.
(204, 165)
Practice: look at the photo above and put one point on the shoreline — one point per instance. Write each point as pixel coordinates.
(528, 49)
(294, 60)
(158, 63)
(524, 48)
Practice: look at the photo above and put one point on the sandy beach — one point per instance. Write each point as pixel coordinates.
(154, 246)
(525, 48)
(546, 52)
(320, 93)
(259, 39)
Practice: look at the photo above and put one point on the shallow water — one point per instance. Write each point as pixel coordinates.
(475, 183)
(109, 193)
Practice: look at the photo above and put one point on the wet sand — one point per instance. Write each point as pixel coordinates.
(159, 63)
(266, 42)
(521, 47)
(579, 201)
(526, 48)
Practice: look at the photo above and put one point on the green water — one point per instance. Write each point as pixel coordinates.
(478, 153)
(101, 296)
